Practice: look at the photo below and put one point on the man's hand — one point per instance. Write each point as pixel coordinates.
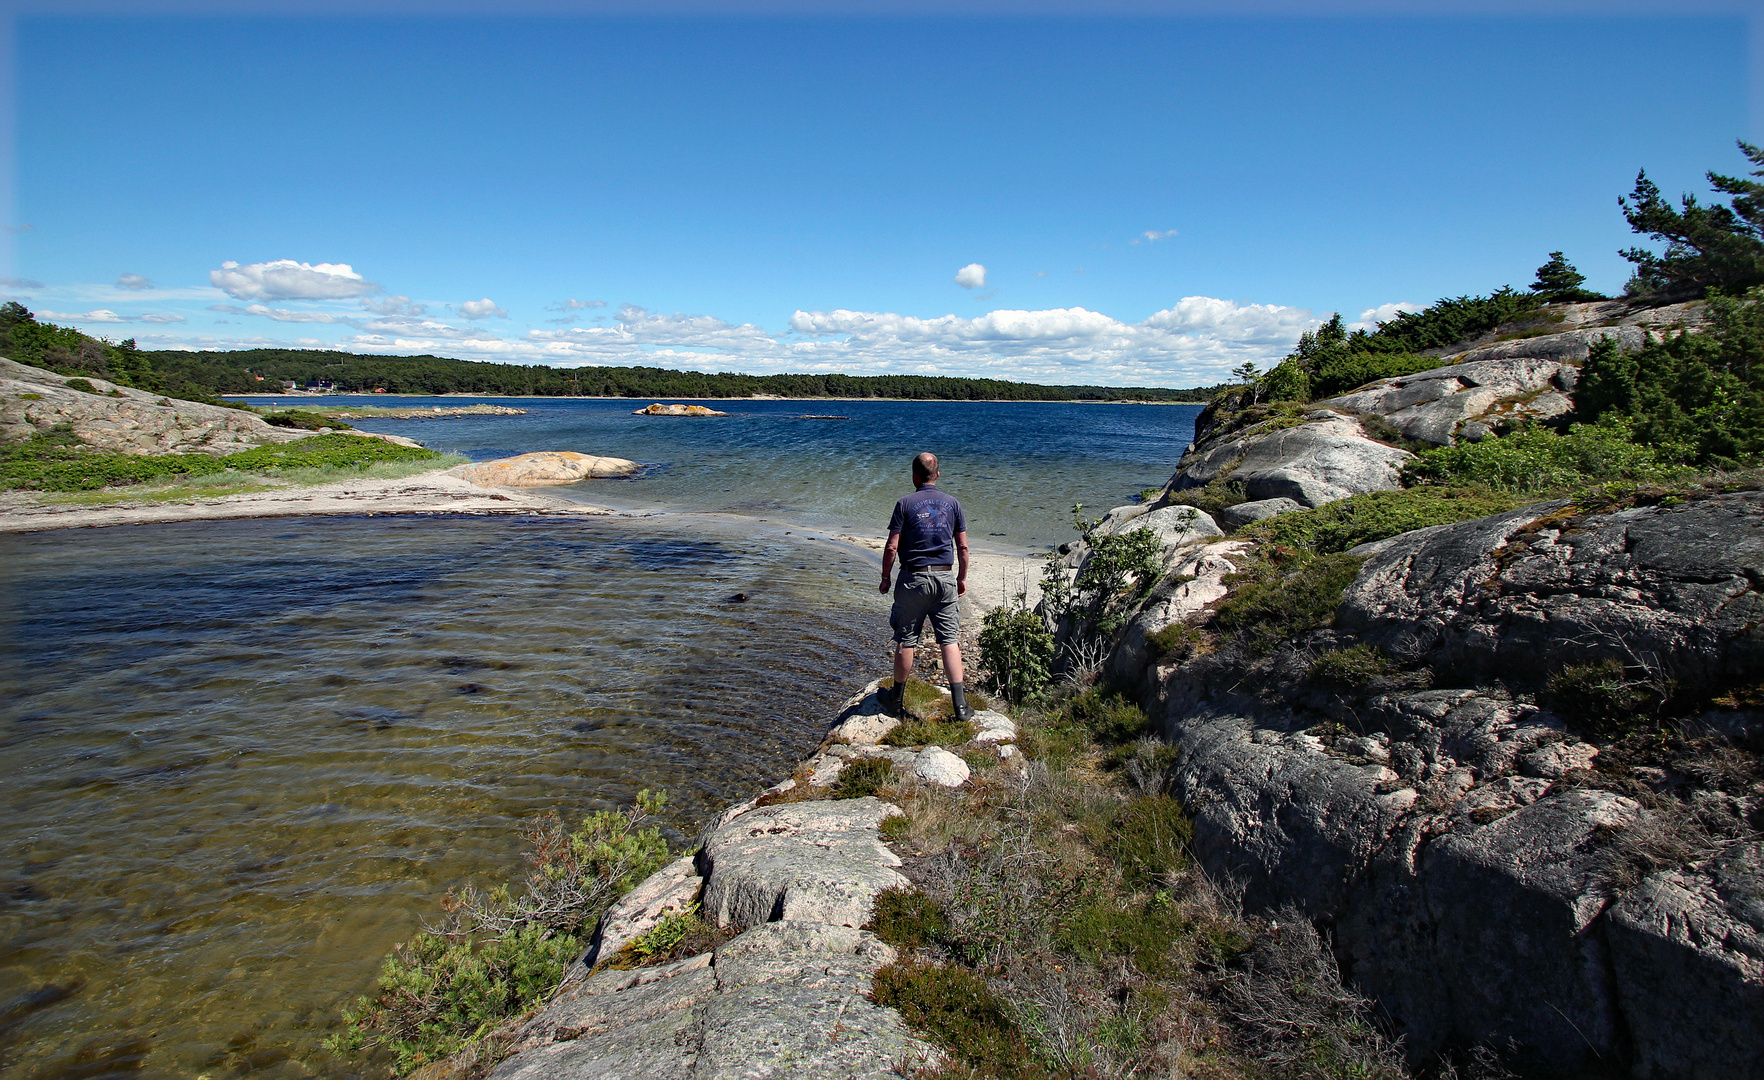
(884, 587)
(961, 586)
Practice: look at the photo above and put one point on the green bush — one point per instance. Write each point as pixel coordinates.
(57, 461)
(496, 954)
(1120, 572)
(1105, 930)
(906, 918)
(1107, 716)
(916, 732)
(678, 935)
(961, 1014)
(82, 385)
(1362, 519)
(1285, 596)
(325, 451)
(1016, 651)
(1350, 668)
(866, 776)
(1178, 641)
(1539, 460)
(1605, 698)
(1693, 398)
(304, 419)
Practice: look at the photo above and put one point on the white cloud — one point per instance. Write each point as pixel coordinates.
(162, 318)
(283, 315)
(1252, 323)
(133, 282)
(1371, 317)
(971, 276)
(481, 309)
(285, 279)
(575, 305)
(21, 283)
(393, 305)
(1152, 236)
(100, 315)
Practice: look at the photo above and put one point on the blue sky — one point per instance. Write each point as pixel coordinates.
(1137, 201)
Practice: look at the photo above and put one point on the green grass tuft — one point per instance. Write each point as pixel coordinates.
(1280, 599)
(1362, 519)
(961, 1014)
(906, 918)
(863, 777)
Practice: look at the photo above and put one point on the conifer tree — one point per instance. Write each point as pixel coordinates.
(1707, 247)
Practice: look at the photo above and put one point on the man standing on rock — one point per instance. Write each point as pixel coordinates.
(930, 537)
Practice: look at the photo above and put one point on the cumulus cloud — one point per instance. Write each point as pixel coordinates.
(135, 282)
(575, 305)
(1371, 317)
(162, 318)
(1152, 236)
(481, 309)
(285, 279)
(21, 283)
(971, 276)
(393, 305)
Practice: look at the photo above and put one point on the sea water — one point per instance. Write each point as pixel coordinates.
(243, 759)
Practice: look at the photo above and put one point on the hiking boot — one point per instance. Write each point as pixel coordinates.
(889, 698)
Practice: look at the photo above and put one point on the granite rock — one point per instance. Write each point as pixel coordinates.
(542, 468)
(805, 861)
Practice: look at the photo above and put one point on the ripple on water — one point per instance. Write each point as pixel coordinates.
(244, 758)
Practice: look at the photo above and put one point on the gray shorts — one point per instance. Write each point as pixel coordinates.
(921, 595)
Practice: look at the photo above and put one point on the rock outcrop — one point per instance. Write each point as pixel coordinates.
(542, 468)
(658, 409)
(122, 420)
(1472, 855)
(1325, 457)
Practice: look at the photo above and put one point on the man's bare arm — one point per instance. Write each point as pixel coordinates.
(961, 563)
(888, 551)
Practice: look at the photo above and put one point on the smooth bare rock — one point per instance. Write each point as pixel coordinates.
(671, 889)
(861, 720)
(1315, 463)
(1687, 946)
(122, 420)
(995, 727)
(783, 1000)
(1176, 527)
(1431, 406)
(1569, 347)
(935, 765)
(1236, 517)
(658, 409)
(1195, 582)
(1513, 902)
(826, 771)
(543, 467)
(1526, 592)
(804, 861)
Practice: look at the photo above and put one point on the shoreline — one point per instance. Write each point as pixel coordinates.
(602, 397)
(993, 576)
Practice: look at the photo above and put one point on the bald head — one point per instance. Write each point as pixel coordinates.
(925, 468)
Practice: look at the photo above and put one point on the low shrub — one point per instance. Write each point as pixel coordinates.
(1539, 460)
(866, 776)
(959, 1011)
(1211, 498)
(325, 451)
(82, 385)
(1606, 698)
(1178, 641)
(906, 918)
(1106, 716)
(1362, 519)
(1120, 571)
(679, 934)
(305, 419)
(916, 732)
(1016, 651)
(1147, 839)
(1351, 668)
(57, 461)
(1284, 596)
(496, 954)
(1147, 934)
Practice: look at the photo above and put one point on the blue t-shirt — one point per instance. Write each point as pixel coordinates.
(927, 521)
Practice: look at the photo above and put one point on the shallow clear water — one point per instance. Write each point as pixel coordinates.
(244, 758)
(1017, 467)
(240, 760)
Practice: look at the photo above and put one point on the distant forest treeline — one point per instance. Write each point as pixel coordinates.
(238, 373)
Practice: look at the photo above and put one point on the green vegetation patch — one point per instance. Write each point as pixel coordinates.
(1351, 668)
(1539, 461)
(866, 776)
(916, 732)
(907, 918)
(1285, 596)
(679, 934)
(1147, 839)
(57, 461)
(1379, 515)
(960, 1012)
(305, 419)
(1607, 699)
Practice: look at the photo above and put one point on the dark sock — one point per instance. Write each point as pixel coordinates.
(958, 699)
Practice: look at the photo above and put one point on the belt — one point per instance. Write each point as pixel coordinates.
(934, 566)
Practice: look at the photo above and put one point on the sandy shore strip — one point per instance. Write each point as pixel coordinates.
(425, 493)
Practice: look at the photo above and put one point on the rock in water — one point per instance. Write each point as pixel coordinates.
(544, 467)
(658, 409)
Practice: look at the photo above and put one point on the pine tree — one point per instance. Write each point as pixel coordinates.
(1558, 281)
(1707, 247)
